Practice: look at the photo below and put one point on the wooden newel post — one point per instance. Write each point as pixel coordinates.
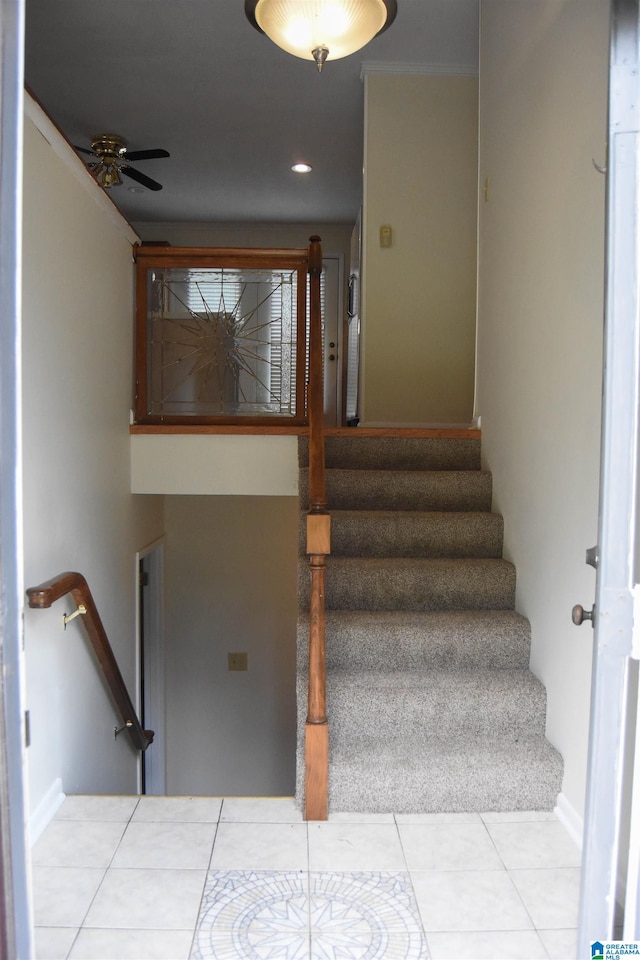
(318, 546)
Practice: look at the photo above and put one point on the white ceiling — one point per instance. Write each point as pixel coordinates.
(233, 110)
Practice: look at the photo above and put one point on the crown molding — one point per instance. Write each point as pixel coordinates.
(418, 69)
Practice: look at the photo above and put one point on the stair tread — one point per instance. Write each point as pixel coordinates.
(415, 753)
(417, 639)
(399, 619)
(480, 677)
(405, 489)
(420, 705)
(408, 453)
(412, 533)
(446, 776)
(416, 583)
(402, 517)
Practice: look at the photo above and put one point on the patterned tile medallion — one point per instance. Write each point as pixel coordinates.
(248, 915)
(254, 916)
(365, 916)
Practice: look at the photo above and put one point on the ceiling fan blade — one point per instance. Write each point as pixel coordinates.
(140, 178)
(82, 150)
(146, 154)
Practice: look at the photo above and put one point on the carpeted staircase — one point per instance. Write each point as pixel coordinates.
(431, 704)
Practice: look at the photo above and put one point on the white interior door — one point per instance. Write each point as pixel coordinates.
(612, 817)
(330, 292)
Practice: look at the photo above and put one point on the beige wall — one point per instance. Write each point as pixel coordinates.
(79, 513)
(231, 587)
(542, 120)
(335, 237)
(419, 295)
(217, 465)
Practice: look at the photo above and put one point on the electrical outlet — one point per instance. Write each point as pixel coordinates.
(238, 661)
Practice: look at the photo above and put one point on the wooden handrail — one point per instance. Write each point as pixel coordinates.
(318, 546)
(44, 595)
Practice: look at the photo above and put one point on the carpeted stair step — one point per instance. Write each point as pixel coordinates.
(431, 705)
(403, 583)
(396, 453)
(458, 490)
(445, 777)
(416, 640)
(405, 533)
(368, 706)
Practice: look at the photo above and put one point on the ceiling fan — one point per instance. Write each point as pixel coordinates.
(111, 159)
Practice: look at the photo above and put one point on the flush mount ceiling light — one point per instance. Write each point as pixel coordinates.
(321, 29)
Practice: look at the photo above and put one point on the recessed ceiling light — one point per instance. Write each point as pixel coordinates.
(302, 168)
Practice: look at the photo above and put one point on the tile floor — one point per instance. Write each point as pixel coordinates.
(173, 878)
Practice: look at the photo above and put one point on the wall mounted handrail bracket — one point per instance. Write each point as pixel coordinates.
(44, 595)
(78, 612)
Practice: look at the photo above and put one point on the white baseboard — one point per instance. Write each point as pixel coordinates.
(46, 810)
(570, 819)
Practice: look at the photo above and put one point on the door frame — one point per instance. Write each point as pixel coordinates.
(608, 861)
(15, 910)
(150, 660)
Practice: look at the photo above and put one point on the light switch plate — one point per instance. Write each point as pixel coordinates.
(238, 661)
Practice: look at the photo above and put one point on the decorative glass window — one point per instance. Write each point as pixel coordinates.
(221, 341)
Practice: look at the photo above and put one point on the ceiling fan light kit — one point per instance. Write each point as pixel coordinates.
(111, 159)
(321, 29)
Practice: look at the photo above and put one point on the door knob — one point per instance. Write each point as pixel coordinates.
(579, 614)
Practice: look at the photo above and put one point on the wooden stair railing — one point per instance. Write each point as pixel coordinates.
(44, 595)
(318, 546)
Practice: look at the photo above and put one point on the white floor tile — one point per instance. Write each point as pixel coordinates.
(260, 846)
(62, 895)
(550, 896)
(448, 846)
(533, 844)
(148, 899)
(375, 902)
(482, 882)
(560, 944)
(517, 816)
(54, 943)
(161, 845)
(455, 901)
(347, 817)
(255, 944)
(78, 843)
(496, 945)
(355, 846)
(438, 818)
(78, 807)
(132, 945)
(372, 946)
(186, 809)
(260, 810)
